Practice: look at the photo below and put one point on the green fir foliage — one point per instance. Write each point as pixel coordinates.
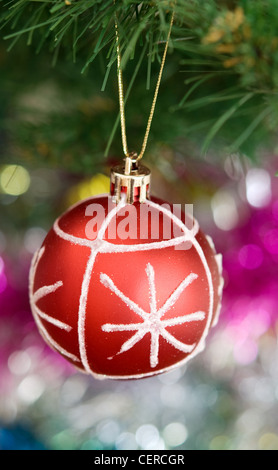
(219, 86)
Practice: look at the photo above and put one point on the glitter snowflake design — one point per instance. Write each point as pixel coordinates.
(153, 321)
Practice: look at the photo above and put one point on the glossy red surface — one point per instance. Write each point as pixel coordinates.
(120, 332)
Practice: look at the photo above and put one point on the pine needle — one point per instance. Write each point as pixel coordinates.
(238, 58)
(223, 119)
(249, 130)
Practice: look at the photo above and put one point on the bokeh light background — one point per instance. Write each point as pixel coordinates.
(226, 398)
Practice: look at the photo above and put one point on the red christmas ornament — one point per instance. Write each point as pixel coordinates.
(124, 290)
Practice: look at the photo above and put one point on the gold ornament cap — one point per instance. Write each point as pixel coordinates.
(130, 180)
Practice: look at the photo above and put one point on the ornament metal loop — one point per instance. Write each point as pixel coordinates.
(131, 180)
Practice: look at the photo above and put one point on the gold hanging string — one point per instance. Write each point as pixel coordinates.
(121, 91)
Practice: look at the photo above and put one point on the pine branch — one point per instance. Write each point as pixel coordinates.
(221, 52)
(83, 25)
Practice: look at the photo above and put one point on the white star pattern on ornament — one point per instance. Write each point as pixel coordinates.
(153, 321)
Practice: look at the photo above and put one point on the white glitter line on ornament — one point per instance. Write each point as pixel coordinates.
(107, 282)
(53, 343)
(196, 316)
(38, 295)
(71, 238)
(109, 327)
(37, 257)
(82, 309)
(53, 321)
(186, 348)
(96, 246)
(219, 262)
(218, 259)
(154, 349)
(37, 313)
(43, 291)
(113, 248)
(152, 289)
(190, 232)
(176, 294)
